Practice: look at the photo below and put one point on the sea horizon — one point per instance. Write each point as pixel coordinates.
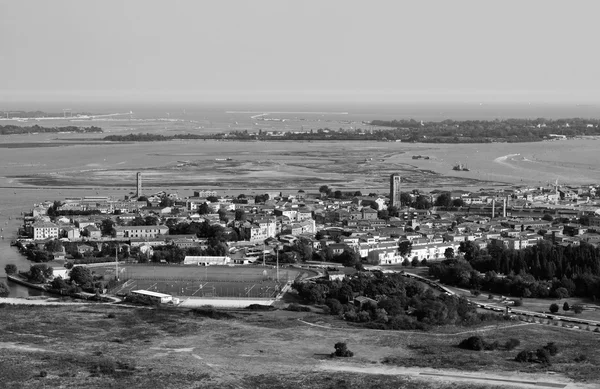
(357, 111)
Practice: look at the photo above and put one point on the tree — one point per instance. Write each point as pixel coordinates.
(404, 247)
(383, 214)
(203, 209)
(458, 203)
(405, 199)
(338, 194)
(566, 306)
(422, 202)
(212, 199)
(39, 273)
(240, 215)
(223, 215)
(406, 262)
(393, 211)
(469, 249)
(561, 293)
(358, 193)
(415, 262)
(324, 190)
(59, 284)
(547, 217)
(553, 307)
(151, 220)
(106, 227)
(4, 290)
(341, 350)
(81, 275)
(449, 253)
(10, 269)
(443, 200)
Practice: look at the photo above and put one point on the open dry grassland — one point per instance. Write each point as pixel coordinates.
(101, 346)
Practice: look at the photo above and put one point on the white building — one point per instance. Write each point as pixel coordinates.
(205, 260)
(43, 230)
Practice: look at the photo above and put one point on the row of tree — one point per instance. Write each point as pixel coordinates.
(538, 271)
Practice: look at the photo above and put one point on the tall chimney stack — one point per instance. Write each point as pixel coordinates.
(493, 208)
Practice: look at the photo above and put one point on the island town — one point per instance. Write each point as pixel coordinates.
(329, 229)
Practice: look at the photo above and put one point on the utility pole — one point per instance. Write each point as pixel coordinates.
(117, 262)
(277, 256)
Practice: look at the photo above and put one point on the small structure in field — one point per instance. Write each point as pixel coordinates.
(153, 297)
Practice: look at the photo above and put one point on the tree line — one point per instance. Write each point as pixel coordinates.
(542, 270)
(12, 129)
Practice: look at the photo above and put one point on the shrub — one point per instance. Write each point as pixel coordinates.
(335, 307)
(475, 292)
(259, 307)
(525, 356)
(553, 307)
(491, 346)
(577, 308)
(297, 308)
(472, 343)
(111, 315)
(566, 306)
(518, 303)
(341, 350)
(512, 343)
(43, 373)
(10, 269)
(4, 290)
(551, 348)
(581, 358)
(490, 296)
(543, 356)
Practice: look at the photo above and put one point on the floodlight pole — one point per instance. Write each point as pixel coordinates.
(117, 263)
(277, 255)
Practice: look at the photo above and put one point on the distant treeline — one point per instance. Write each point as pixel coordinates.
(448, 131)
(480, 131)
(39, 114)
(11, 129)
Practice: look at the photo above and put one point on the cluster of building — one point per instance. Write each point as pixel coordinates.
(512, 218)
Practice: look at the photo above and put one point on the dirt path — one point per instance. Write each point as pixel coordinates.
(481, 329)
(510, 379)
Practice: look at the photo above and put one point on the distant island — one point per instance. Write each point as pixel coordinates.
(447, 131)
(12, 129)
(67, 113)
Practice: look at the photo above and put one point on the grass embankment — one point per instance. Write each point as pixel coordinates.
(99, 346)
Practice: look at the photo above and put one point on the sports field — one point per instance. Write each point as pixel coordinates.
(204, 281)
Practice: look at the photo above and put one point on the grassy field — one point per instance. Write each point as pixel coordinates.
(262, 289)
(204, 281)
(101, 346)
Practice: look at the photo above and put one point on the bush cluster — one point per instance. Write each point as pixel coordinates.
(341, 350)
(477, 343)
(541, 355)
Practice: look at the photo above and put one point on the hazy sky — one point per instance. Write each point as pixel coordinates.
(300, 50)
